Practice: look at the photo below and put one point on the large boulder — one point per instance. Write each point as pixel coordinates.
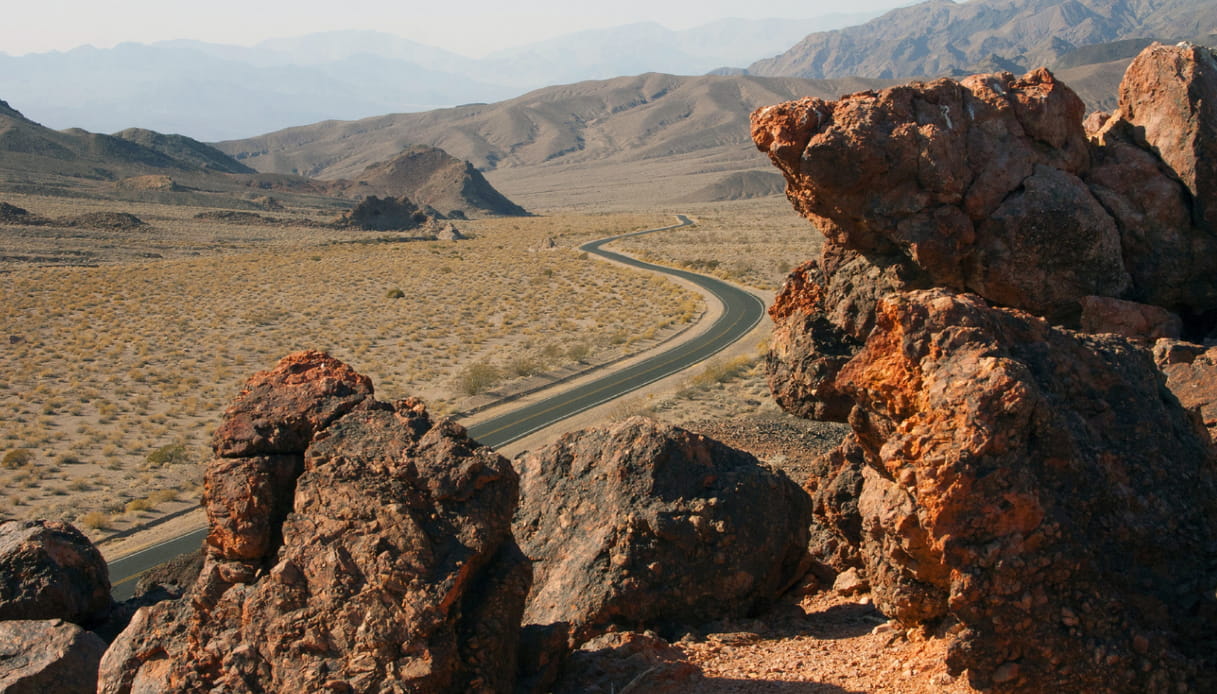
(1041, 487)
(1169, 93)
(993, 185)
(644, 525)
(50, 570)
(1191, 374)
(40, 656)
(355, 546)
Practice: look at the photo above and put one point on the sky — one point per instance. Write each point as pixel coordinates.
(469, 27)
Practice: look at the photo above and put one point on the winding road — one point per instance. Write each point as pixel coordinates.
(741, 312)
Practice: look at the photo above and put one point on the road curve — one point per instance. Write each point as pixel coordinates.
(741, 312)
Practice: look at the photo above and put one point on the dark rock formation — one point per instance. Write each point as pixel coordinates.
(355, 546)
(384, 214)
(645, 525)
(1040, 488)
(42, 656)
(435, 179)
(50, 570)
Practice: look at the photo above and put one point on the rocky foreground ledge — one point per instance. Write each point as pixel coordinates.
(1021, 473)
(357, 545)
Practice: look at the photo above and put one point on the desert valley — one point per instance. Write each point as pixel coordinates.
(913, 390)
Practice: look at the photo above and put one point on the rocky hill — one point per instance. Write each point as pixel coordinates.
(33, 148)
(433, 178)
(940, 37)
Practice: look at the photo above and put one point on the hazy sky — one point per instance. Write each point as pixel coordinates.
(470, 27)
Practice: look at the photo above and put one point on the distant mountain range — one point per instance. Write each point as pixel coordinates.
(940, 37)
(215, 92)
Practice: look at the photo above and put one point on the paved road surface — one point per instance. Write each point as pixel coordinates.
(741, 312)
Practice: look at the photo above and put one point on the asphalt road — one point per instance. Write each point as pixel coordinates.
(741, 312)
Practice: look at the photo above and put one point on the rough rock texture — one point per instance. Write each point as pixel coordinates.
(42, 656)
(355, 546)
(991, 184)
(50, 570)
(1040, 489)
(642, 662)
(645, 525)
(1191, 374)
(1170, 94)
(384, 214)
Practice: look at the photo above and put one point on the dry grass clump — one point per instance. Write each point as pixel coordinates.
(115, 374)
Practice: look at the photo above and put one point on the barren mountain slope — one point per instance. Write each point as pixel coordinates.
(940, 37)
(622, 119)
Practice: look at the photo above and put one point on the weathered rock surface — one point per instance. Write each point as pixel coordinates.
(1041, 488)
(1191, 374)
(355, 546)
(42, 656)
(991, 184)
(1170, 94)
(644, 525)
(627, 661)
(50, 570)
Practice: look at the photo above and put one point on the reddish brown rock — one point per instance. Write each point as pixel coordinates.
(1101, 314)
(42, 656)
(959, 178)
(1042, 488)
(644, 525)
(991, 185)
(1191, 374)
(386, 565)
(280, 410)
(1170, 94)
(50, 570)
(384, 214)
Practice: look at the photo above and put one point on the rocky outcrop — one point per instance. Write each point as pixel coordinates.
(383, 214)
(643, 525)
(51, 571)
(354, 545)
(436, 179)
(990, 185)
(1037, 488)
(42, 656)
(1017, 471)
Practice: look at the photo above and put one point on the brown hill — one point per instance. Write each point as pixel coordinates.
(433, 178)
(940, 37)
(28, 147)
(643, 139)
(740, 185)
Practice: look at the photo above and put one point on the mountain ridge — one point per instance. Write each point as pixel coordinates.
(940, 37)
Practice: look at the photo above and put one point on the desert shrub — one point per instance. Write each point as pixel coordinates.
(524, 366)
(477, 377)
(163, 495)
(137, 505)
(96, 520)
(720, 370)
(578, 351)
(171, 454)
(16, 458)
(395, 294)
